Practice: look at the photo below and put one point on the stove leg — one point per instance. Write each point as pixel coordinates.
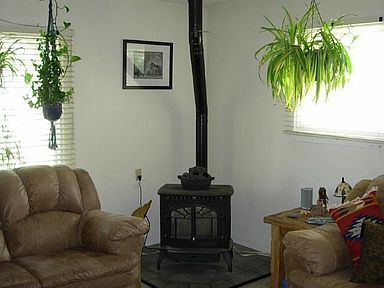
(161, 257)
(228, 259)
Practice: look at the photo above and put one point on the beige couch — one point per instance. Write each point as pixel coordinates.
(53, 234)
(319, 257)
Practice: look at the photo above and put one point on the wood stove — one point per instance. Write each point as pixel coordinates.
(195, 225)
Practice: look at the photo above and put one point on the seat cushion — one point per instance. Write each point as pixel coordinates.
(14, 276)
(337, 279)
(70, 267)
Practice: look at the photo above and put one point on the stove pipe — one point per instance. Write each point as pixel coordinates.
(198, 73)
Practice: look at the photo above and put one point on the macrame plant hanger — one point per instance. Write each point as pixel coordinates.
(317, 11)
(52, 137)
(52, 143)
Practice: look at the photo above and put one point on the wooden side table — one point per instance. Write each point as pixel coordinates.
(280, 225)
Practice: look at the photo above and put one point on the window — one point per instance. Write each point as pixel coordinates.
(354, 112)
(23, 130)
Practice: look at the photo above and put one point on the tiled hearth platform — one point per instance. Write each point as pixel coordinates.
(246, 269)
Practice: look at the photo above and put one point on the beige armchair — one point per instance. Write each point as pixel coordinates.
(53, 234)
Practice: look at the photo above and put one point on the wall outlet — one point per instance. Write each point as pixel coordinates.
(138, 174)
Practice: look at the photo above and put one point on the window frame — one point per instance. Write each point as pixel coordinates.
(290, 116)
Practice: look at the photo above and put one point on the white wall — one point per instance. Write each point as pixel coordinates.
(247, 146)
(119, 130)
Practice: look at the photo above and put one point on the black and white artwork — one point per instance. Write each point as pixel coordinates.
(147, 64)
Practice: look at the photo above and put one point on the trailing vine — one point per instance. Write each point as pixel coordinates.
(55, 59)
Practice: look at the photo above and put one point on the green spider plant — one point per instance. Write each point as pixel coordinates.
(301, 58)
(8, 58)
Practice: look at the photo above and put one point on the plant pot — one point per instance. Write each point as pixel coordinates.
(52, 112)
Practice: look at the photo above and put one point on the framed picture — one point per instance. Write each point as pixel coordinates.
(147, 64)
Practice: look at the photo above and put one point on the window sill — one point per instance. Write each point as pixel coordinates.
(333, 139)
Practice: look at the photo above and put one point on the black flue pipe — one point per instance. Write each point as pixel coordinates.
(199, 85)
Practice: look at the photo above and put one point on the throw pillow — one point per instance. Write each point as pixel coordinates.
(141, 212)
(371, 263)
(350, 216)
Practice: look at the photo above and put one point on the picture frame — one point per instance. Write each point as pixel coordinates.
(147, 64)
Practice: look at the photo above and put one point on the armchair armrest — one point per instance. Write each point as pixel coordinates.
(112, 233)
(321, 250)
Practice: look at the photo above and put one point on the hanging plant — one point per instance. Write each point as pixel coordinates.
(301, 57)
(10, 154)
(55, 59)
(8, 58)
(9, 148)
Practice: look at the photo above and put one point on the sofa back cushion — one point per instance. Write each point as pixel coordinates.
(359, 189)
(41, 206)
(14, 204)
(4, 253)
(88, 190)
(41, 186)
(378, 182)
(365, 186)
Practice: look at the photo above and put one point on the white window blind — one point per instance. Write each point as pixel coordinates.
(356, 111)
(23, 130)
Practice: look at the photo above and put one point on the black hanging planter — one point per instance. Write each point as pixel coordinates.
(52, 112)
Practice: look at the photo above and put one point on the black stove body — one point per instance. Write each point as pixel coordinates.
(195, 225)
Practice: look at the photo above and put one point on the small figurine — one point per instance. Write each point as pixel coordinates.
(323, 198)
(322, 202)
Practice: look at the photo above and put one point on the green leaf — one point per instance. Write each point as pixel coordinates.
(75, 58)
(66, 24)
(63, 50)
(28, 77)
(66, 9)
